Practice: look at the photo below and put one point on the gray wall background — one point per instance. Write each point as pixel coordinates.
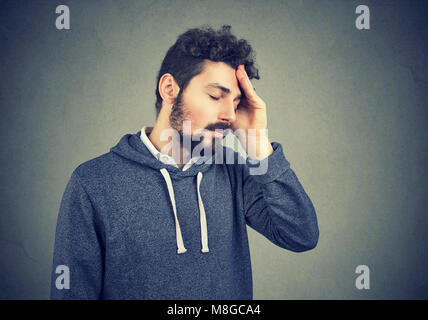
(349, 107)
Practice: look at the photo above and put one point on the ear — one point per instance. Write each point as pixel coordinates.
(168, 88)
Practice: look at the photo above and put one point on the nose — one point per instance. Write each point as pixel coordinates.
(228, 112)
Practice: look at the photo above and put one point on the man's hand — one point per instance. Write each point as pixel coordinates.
(251, 118)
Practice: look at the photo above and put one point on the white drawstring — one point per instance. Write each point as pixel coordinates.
(180, 244)
(203, 219)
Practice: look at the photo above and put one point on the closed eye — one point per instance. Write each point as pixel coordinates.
(214, 98)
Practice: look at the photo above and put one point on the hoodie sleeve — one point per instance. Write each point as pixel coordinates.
(276, 205)
(77, 270)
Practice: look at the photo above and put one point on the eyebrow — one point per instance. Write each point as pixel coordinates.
(222, 88)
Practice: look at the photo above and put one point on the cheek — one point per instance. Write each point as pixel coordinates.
(204, 112)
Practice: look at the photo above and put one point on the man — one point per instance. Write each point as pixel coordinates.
(146, 222)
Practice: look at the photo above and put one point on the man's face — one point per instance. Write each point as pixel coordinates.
(208, 102)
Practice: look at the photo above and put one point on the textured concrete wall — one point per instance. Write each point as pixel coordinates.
(348, 105)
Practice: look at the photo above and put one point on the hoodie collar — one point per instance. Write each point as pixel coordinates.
(163, 157)
(132, 147)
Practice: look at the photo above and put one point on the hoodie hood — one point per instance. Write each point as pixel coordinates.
(131, 147)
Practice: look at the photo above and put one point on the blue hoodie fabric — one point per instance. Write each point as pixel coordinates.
(133, 227)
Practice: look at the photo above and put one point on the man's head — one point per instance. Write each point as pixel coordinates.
(197, 80)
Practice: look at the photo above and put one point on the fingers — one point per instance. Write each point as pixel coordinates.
(244, 81)
(255, 101)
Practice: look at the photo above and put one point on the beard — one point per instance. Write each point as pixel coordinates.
(179, 114)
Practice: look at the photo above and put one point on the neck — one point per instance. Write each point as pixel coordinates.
(162, 123)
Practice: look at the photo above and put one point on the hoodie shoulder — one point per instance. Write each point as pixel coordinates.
(96, 168)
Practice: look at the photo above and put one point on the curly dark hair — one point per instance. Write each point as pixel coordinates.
(187, 57)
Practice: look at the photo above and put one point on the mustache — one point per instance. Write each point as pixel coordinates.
(221, 125)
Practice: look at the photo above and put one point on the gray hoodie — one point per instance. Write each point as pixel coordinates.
(133, 227)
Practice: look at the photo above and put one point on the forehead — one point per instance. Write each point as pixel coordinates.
(216, 75)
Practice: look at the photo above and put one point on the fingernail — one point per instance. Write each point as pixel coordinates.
(240, 73)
